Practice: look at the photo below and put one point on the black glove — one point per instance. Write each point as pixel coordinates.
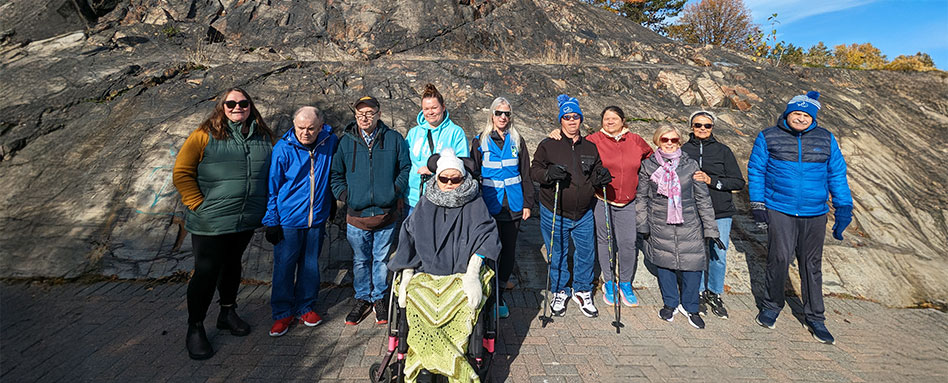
(759, 211)
(601, 177)
(274, 234)
(557, 173)
(712, 241)
(642, 236)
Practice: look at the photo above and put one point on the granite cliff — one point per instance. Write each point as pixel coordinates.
(99, 95)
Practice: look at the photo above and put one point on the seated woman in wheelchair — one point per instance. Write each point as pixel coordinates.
(440, 282)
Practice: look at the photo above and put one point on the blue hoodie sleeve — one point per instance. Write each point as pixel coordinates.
(459, 143)
(838, 183)
(757, 169)
(276, 180)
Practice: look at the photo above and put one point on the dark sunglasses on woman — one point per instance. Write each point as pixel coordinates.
(499, 113)
(451, 180)
(699, 126)
(673, 140)
(233, 104)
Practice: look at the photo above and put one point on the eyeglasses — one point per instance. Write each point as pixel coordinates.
(572, 117)
(233, 104)
(453, 180)
(499, 113)
(365, 116)
(673, 140)
(699, 126)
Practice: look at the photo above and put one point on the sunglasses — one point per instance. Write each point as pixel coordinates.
(499, 113)
(699, 126)
(233, 104)
(572, 117)
(673, 140)
(450, 181)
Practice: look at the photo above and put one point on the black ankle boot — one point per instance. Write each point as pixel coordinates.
(228, 320)
(198, 346)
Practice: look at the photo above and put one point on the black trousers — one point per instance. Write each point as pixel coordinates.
(509, 230)
(216, 263)
(802, 238)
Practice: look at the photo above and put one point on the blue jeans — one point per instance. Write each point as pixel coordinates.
(713, 279)
(679, 287)
(582, 233)
(296, 257)
(369, 253)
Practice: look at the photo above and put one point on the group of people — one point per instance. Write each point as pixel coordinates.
(461, 203)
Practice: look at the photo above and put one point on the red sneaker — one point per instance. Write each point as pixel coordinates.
(311, 319)
(281, 326)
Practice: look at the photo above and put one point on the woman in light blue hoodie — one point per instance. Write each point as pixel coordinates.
(435, 131)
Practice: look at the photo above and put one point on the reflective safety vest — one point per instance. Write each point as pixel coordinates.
(501, 176)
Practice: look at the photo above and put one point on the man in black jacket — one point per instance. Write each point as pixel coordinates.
(573, 163)
(720, 171)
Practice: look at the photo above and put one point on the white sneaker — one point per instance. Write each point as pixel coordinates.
(559, 303)
(585, 301)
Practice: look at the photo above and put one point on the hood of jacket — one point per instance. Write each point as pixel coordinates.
(353, 130)
(422, 122)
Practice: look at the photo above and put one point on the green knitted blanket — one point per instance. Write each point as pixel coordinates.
(439, 325)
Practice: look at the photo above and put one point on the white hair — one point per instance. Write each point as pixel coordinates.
(306, 113)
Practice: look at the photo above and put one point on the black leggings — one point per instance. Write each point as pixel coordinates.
(216, 263)
(509, 230)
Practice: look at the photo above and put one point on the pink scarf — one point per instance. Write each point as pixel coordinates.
(668, 183)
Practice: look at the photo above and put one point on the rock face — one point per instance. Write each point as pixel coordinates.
(98, 100)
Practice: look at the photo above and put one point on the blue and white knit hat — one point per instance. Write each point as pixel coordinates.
(568, 105)
(805, 103)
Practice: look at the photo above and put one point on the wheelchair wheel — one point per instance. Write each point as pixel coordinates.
(387, 376)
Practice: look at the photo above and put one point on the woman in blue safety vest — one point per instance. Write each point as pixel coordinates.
(502, 157)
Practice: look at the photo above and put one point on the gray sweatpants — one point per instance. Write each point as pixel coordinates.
(623, 225)
(800, 237)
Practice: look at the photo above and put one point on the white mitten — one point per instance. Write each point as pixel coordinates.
(471, 282)
(403, 287)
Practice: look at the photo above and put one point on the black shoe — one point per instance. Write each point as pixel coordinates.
(228, 320)
(381, 311)
(717, 305)
(199, 348)
(667, 313)
(359, 312)
(693, 318)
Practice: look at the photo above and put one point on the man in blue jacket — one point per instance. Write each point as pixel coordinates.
(793, 169)
(297, 209)
(370, 173)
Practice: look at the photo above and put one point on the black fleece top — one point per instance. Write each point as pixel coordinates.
(581, 159)
(717, 160)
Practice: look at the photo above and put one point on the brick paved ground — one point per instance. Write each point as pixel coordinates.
(134, 331)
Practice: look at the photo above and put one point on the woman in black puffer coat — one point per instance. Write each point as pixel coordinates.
(674, 214)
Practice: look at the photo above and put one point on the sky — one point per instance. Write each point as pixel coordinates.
(896, 27)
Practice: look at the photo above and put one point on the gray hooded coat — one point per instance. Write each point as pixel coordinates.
(445, 229)
(681, 246)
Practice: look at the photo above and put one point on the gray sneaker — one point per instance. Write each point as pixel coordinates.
(717, 305)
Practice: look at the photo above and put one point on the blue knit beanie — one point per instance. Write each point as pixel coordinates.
(805, 103)
(568, 105)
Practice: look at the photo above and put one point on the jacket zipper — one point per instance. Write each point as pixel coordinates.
(799, 165)
(312, 185)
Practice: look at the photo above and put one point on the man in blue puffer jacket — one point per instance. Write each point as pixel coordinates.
(297, 210)
(793, 169)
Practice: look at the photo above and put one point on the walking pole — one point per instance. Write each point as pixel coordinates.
(549, 261)
(615, 261)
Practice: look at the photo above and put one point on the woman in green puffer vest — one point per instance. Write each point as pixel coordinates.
(221, 173)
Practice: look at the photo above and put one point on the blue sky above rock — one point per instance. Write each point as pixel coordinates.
(895, 27)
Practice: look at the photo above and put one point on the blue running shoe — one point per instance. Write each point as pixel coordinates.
(608, 293)
(767, 318)
(819, 331)
(502, 310)
(628, 294)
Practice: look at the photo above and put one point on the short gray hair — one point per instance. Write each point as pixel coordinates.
(306, 113)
